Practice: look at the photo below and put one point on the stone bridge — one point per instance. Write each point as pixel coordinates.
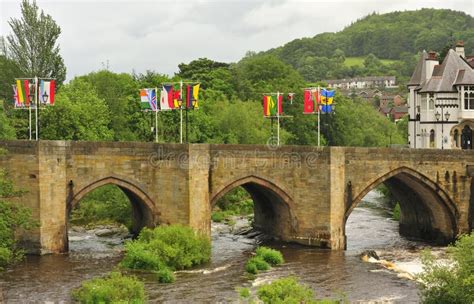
(302, 194)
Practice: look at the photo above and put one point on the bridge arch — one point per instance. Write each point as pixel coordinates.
(272, 205)
(427, 211)
(143, 207)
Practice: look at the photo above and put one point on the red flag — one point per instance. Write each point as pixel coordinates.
(266, 112)
(52, 89)
(308, 102)
(280, 104)
(27, 92)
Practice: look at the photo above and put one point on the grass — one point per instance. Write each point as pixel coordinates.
(353, 61)
(114, 288)
(263, 260)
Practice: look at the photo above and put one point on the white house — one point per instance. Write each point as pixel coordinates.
(441, 102)
(363, 82)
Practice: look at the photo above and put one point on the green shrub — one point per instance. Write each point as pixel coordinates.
(251, 267)
(114, 288)
(452, 283)
(166, 248)
(244, 293)
(165, 275)
(259, 263)
(396, 212)
(271, 256)
(286, 290)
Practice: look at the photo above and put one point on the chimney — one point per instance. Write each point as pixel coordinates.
(430, 63)
(460, 48)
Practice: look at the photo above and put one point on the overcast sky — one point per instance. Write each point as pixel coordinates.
(158, 35)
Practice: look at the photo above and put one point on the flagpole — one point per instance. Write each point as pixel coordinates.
(36, 108)
(181, 112)
(278, 119)
(156, 115)
(319, 120)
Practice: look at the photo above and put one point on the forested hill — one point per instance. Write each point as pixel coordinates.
(388, 36)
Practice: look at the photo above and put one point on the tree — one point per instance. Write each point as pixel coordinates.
(6, 130)
(78, 114)
(32, 45)
(120, 93)
(452, 283)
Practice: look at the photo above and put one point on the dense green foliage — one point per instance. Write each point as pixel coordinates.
(114, 288)
(167, 247)
(32, 44)
(256, 264)
(263, 259)
(396, 35)
(105, 205)
(12, 217)
(6, 129)
(288, 291)
(453, 283)
(78, 114)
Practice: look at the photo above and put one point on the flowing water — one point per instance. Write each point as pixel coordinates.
(50, 279)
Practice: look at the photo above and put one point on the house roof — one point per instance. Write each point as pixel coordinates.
(464, 77)
(419, 73)
(445, 76)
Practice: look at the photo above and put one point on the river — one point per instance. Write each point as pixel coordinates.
(50, 279)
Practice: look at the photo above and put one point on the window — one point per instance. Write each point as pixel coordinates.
(432, 138)
(423, 102)
(431, 103)
(468, 98)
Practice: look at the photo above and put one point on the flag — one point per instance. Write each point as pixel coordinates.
(152, 99)
(189, 96)
(266, 104)
(327, 98)
(280, 104)
(176, 97)
(46, 93)
(166, 98)
(21, 94)
(308, 102)
(195, 98)
(25, 88)
(16, 99)
(272, 105)
(148, 99)
(144, 104)
(290, 97)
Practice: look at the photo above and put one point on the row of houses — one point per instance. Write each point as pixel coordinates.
(363, 82)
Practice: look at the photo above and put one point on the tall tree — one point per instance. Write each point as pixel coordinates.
(32, 44)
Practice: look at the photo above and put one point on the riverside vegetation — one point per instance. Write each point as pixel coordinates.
(451, 282)
(264, 258)
(12, 218)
